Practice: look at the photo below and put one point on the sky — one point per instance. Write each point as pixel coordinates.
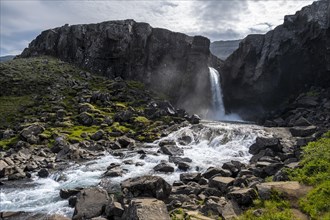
(22, 20)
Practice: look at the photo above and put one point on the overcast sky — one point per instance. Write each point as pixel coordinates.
(22, 20)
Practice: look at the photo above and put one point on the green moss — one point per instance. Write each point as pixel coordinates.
(135, 85)
(116, 126)
(8, 143)
(142, 120)
(121, 105)
(74, 133)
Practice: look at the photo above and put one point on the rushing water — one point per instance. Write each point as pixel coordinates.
(212, 144)
(218, 110)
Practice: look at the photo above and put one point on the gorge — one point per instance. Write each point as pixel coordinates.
(118, 119)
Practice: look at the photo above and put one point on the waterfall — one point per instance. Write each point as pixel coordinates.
(218, 110)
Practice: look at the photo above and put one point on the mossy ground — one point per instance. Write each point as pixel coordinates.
(34, 89)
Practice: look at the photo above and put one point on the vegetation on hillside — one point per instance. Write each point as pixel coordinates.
(71, 102)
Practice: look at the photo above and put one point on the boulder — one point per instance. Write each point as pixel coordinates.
(171, 150)
(303, 131)
(43, 173)
(221, 183)
(146, 209)
(67, 193)
(85, 118)
(292, 190)
(30, 134)
(90, 203)
(148, 186)
(114, 209)
(190, 177)
(97, 135)
(125, 141)
(212, 171)
(164, 167)
(264, 143)
(243, 197)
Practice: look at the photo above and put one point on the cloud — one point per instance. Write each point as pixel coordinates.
(21, 21)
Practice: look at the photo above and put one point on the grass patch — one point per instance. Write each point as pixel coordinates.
(10, 107)
(274, 209)
(315, 171)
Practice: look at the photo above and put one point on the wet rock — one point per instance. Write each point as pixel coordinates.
(303, 131)
(192, 188)
(146, 209)
(148, 186)
(72, 201)
(263, 143)
(194, 119)
(67, 193)
(43, 173)
(234, 168)
(177, 160)
(115, 172)
(164, 167)
(90, 203)
(125, 141)
(185, 140)
(183, 166)
(171, 150)
(190, 177)
(302, 122)
(221, 183)
(243, 197)
(212, 171)
(123, 116)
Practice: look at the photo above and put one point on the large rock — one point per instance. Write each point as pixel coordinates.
(171, 150)
(266, 69)
(303, 131)
(146, 209)
(148, 186)
(172, 63)
(90, 203)
(292, 190)
(30, 134)
(264, 143)
(243, 196)
(222, 183)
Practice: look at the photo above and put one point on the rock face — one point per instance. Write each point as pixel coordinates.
(172, 63)
(267, 69)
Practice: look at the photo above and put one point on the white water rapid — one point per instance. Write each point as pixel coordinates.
(218, 110)
(207, 144)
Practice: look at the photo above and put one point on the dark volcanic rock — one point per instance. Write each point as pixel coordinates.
(149, 186)
(172, 63)
(266, 69)
(90, 203)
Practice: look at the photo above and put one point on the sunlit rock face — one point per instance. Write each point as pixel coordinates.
(170, 63)
(266, 70)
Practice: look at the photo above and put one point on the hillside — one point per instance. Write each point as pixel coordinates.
(61, 100)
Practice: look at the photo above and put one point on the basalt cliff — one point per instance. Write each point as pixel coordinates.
(268, 70)
(173, 64)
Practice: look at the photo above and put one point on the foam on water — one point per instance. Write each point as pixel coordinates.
(212, 144)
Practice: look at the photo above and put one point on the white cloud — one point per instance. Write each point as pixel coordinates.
(217, 20)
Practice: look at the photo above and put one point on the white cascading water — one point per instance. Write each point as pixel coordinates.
(218, 110)
(212, 144)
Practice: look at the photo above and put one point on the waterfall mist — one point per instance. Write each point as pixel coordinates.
(217, 112)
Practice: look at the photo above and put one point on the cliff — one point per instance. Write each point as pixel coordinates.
(267, 70)
(170, 63)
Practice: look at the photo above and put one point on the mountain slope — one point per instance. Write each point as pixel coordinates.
(223, 49)
(267, 70)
